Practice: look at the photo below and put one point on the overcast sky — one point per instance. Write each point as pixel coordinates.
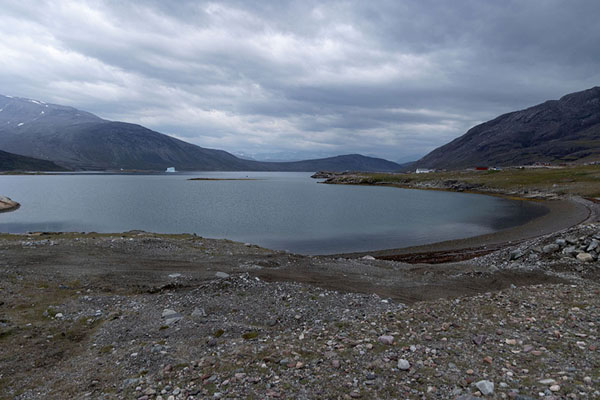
(393, 79)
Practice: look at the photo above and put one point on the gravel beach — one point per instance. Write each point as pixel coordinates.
(147, 316)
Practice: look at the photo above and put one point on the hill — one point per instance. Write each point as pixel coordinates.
(15, 162)
(555, 131)
(79, 140)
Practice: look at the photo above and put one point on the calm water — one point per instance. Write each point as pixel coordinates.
(287, 211)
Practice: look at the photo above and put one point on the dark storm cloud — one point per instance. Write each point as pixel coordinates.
(387, 78)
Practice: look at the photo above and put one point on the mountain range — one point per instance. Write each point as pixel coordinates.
(557, 131)
(79, 140)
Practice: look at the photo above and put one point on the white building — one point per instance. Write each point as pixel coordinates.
(424, 170)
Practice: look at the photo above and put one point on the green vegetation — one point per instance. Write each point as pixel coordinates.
(583, 180)
(250, 335)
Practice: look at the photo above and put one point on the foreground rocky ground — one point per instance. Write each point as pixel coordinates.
(142, 316)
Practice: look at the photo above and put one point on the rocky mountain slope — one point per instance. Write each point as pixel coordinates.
(15, 162)
(80, 140)
(555, 131)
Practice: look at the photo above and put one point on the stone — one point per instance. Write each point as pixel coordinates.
(171, 316)
(551, 248)
(222, 275)
(485, 387)
(548, 381)
(479, 339)
(510, 342)
(561, 242)
(175, 275)
(585, 257)
(593, 246)
(403, 364)
(386, 339)
(368, 258)
(516, 254)
(198, 312)
(554, 388)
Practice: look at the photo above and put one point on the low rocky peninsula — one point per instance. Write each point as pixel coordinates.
(147, 316)
(6, 204)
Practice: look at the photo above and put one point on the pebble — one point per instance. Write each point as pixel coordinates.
(386, 339)
(222, 275)
(403, 364)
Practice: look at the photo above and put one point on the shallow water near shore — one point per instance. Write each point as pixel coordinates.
(285, 211)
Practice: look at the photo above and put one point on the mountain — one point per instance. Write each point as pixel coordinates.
(349, 162)
(555, 131)
(15, 162)
(80, 140)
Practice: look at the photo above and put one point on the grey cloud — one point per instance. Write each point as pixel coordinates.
(388, 78)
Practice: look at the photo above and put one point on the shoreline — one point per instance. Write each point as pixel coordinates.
(561, 215)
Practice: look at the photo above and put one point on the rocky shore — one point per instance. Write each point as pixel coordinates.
(453, 185)
(144, 316)
(7, 204)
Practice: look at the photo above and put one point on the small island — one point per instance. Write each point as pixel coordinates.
(6, 204)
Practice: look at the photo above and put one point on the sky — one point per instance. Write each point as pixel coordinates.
(294, 79)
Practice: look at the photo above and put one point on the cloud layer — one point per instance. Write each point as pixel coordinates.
(300, 78)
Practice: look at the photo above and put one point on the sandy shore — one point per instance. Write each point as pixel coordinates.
(562, 214)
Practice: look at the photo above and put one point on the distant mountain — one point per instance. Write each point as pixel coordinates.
(349, 162)
(15, 162)
(80, 140)
(554, 131)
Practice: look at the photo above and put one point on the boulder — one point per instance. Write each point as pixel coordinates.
(551, 248)
(585, 257)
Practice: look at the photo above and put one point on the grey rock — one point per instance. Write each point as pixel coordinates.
(403, 364)
(171, 316)
(571, 240)
(550, 248)
(585, 257)
(386, 339)
(222, 275)
(561, 242)
(593, 245)
(198, 312)
(516, 254)
(485, 387)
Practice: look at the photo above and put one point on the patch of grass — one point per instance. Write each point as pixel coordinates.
(583, 180)
(106, 349)
(250, 335)
(218, 333)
